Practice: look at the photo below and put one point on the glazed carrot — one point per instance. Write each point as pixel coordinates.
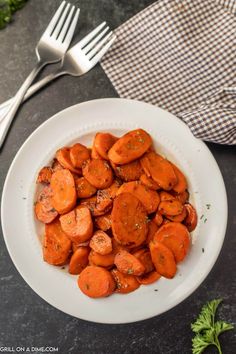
(181, 185)
(158, 219)
(124, 283)
(128, 264)
(101, 243)
(176, 237)
(159, 169)
(148, 278)
(79, 260)
(170, 207)
(96, 282)
(113, 189)
(63, 189)
(101, 260)
(163, 259)
(56, 245)
(103, 222)
(63, 156)
(84, 188)
(191, 219)
(149, 198)
(166, 196)
(144, 257)
(149, 182)
(130, 147)
(44, 175)
(182, 197)
(128, 172)
(152, 229)
(44, 210)
(104, 201)
(129, 220)
(91, 203)
(77, 224)
(76, 245)
(98, 173)
(78, 155)
(56, 165)
(95, 155)
(178, 218)
(103, 142)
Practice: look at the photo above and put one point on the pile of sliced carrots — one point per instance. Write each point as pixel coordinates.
(118, 213)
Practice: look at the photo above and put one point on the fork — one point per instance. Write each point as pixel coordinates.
(78, 60)
(50, 49)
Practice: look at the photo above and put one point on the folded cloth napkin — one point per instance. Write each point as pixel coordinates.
(181, 56)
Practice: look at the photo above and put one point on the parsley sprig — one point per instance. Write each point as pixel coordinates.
(7, 9)
(207, 329)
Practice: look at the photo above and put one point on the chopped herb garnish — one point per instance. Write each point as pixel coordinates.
(130, 271)
(202, 217)
(208, 206)
(203, 250)
(205, 220)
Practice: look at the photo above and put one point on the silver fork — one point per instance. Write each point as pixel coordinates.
(50, 49)
(77, 61)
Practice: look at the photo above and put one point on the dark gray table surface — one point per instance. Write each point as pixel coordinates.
(26, 319)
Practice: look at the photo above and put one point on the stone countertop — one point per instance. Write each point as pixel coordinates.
(25, 319)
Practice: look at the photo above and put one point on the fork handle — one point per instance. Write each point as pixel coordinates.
(8, 117)
(31, 91)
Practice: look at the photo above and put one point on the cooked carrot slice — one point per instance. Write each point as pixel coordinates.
(163, 259)
(176, 237)
(152, 229)
(149, 198)
(91, 203)
(101, 243)
(178, 218)
(104, 201)
(130, 147)
(149, 182)
(144, 257)
(181, 185)
(63, 189)
(63, 156)
(84, 188)
(158, 219)
(78, 155)
(77, 224)
(170, 207)
(56, 165)
(159, 169)
(128, 264)
(166, 196)
(76, 245)
(96, 282)
(44, 210)
(103, 142)
(44, 175)
(103, 222)
(79, 260)
(182, 197)
(191, 219)
(148, 278)
(128, 172)
(95, 155)
(98, 259)
(98, 173)
(129, 220)
(124, 283)
(56, 245)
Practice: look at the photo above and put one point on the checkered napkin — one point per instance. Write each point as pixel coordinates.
(180, 55)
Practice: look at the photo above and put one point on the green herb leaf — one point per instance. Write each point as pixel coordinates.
(206, 329)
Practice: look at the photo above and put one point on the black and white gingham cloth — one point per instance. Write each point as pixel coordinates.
(180, 55)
